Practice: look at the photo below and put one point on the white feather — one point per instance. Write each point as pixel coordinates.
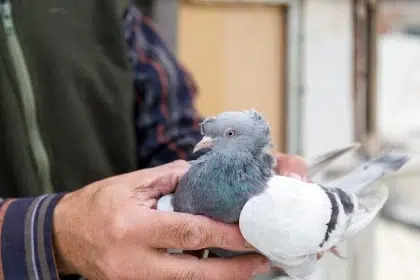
(303, 270)
(288, 222)
(288, 219)
(165, 203)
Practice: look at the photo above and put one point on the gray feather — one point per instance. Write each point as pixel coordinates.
(320, 163)
(219, 184)
(370, 202)
(363, 176)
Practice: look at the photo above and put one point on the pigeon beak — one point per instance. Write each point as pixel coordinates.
(206, 142)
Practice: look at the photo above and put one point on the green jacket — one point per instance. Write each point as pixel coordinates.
(64, 121)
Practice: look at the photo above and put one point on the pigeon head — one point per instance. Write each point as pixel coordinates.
(246, 130)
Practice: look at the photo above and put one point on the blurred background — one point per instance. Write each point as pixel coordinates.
(326, 73)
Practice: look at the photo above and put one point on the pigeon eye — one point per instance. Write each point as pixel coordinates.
(230, 133)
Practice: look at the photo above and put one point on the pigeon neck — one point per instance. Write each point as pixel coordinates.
(263, 161)
(231, 152)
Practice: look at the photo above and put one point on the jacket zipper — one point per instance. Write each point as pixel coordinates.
(27, 97)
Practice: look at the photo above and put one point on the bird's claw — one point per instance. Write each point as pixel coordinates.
(337, 253)
(319, 256)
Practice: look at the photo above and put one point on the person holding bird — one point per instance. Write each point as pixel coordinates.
(94, 112)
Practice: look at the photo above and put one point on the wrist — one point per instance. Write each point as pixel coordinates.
(62, 237)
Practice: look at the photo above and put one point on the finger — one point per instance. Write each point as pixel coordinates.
(160, 180)
(172, 173)
(298, 177)
(243, 267)
(192, 232)
(290, 165)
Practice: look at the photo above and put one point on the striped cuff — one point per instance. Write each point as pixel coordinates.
(26, 238)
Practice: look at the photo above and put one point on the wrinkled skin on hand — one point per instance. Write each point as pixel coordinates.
(110, 230)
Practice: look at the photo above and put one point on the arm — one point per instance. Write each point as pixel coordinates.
(106, 231)
(26, 238)
(166, 120)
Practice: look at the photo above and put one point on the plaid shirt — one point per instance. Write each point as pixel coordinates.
(166, 125)
(166, 120)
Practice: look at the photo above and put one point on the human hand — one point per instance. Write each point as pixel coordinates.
(109, 230)
(291, 166)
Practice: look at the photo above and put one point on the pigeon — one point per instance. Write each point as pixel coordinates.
(287, 220)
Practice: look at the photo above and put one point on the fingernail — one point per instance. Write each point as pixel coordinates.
(263, 268)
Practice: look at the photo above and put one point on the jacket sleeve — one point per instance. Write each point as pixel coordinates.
(165, 117)
(26, 238)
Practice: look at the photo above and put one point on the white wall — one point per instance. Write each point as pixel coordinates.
(328, 121)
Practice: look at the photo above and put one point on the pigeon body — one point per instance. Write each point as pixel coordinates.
(287, 220)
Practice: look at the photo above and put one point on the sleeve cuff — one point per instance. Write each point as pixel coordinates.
(26, 238)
